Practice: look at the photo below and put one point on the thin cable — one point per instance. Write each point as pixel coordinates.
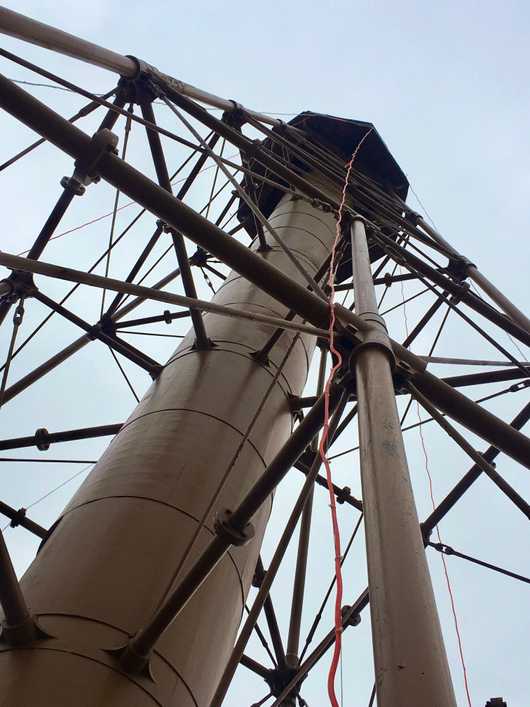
(48, 85)
(422, 205)
(115, 208)
(17, 321)
(81, 113)
(514, 342)
(124, 206)
(75, 287)
(322, 449)
(262, 638)
(60, 486)
(433, 502)
(124, 375)
(158, 103)
(56, 488)
(152, 333)
(207, 280)
(446, 573)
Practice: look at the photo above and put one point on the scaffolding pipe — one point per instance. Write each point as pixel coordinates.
(409, 654)
(18, 627)
(29, 30)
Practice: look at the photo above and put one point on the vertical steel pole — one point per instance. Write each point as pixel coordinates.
(410, 661)
(293, 638)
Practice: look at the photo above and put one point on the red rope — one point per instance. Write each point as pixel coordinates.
(444, 563)
(325, 434)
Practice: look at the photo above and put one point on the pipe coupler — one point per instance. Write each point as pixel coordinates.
(374, 336)
(225, 529)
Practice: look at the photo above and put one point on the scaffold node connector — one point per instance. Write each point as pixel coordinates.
(224, 528)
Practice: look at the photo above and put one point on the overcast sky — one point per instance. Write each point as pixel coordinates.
(446, 85)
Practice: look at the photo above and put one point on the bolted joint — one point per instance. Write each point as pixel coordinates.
(297, 404)
(279, 678)
(142, 67)
(235, 117)
(496, 702)
(86, 168)
(458, 267)
(353, 620)
(107, 325)
(199, 258)
(519, 386)
(155, 371)
(18, 518)
(252, 149)
(343, 495)
(413, 217)
(23, 633)
(401, 376)
(166, 228)
(132, 661)
(444, 549)
(425, 533)
(18, 285)
(261, 358)
(232, 534)
(321, 205)
(140, 89)
(322, 343)
(257, 579)
(94, 331)
(42, 439)
(73, 184)
(374, 337)
(296, 408)
(18, 315)
(388, 281)
(208, 344)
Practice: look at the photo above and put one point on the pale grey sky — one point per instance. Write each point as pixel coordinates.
(446, 85)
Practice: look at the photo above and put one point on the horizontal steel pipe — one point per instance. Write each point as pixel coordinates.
(78, 276)
(18, 517)
(43, 35)
(506, 374)
(475, 418)
(44, 438)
